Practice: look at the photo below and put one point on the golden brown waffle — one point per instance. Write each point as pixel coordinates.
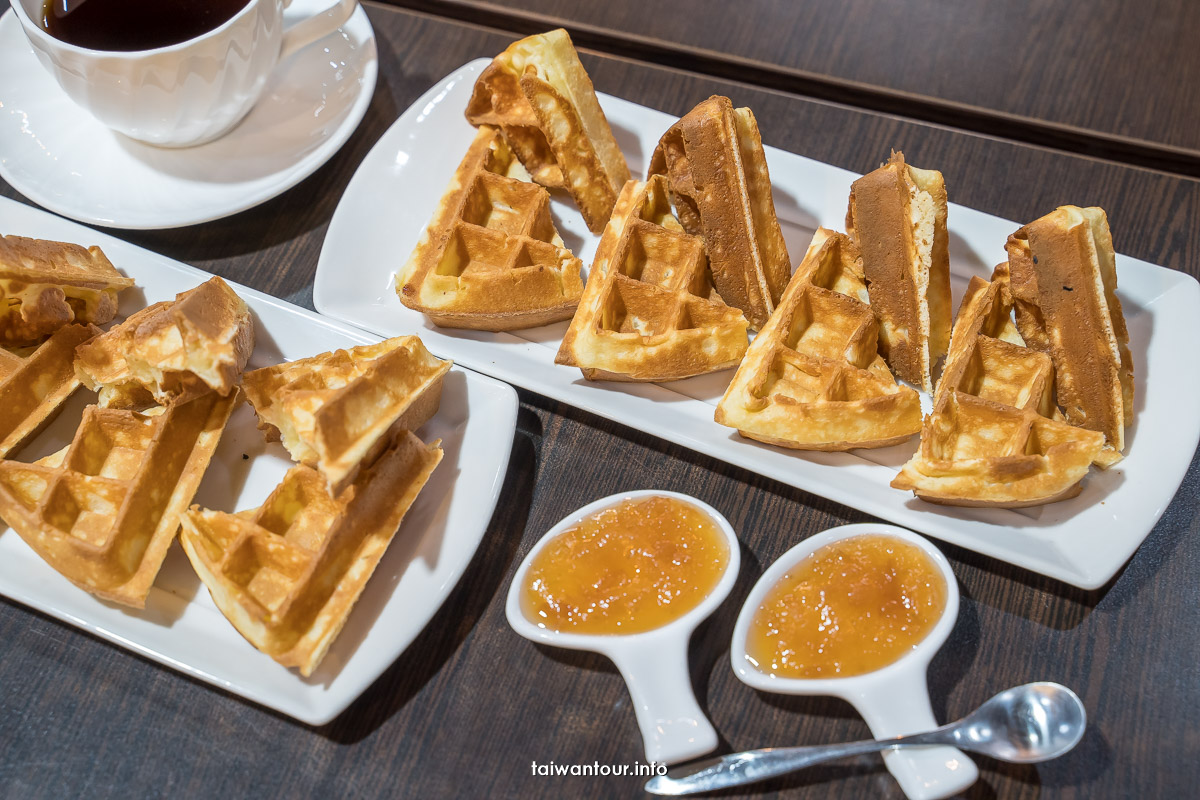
(990, 440)
(45, 285)
(33, 388)
(541, 97)
(171, 351)
(337, 410)
(287, 574)
(1064, 286)
(104, 510)
(649, 312)
(897, 217)
(491, 258)
(813, 378)
(717, 169)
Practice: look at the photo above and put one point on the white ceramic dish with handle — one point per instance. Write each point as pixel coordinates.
(653, 663)
(894, 700)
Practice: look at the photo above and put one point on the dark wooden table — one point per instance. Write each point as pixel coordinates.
(1108, 77)
(470, 705)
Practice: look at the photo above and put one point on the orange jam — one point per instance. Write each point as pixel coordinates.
(849, 608)
(630, 568)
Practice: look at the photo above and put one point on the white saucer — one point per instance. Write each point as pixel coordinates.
(59, 156)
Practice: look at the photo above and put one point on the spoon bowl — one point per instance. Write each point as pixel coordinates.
(1025, 724)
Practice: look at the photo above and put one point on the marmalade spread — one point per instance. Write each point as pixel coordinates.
(630, 568)
(849, 608)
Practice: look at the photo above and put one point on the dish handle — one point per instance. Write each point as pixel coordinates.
(901, 706)
(674, 727)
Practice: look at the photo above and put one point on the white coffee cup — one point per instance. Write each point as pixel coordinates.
(187, 93)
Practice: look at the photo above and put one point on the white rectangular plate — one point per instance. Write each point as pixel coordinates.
(1083, 541)
(180, 626)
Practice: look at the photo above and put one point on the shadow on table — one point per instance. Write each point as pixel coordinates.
(445, 633)
(1083, 766)
(711, 641)
(1181, 519)
(951, 665)
(1159, 549)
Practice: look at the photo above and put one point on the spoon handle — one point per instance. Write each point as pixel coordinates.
(751, 766)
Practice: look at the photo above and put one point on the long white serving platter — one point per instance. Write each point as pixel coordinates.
(1083, 541)
(180, 626)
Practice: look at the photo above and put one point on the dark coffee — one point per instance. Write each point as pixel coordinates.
(134, 24)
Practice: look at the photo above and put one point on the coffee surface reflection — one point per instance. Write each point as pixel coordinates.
(128, 25)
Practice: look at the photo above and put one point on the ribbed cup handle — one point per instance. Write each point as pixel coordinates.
(900, 707)
(673, 725)
(317, 26)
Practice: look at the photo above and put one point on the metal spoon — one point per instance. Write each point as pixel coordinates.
(1025, 724)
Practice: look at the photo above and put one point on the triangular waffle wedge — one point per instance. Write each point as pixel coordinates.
(717, 168)
(1064, 282)
(491, 258)
(897, 217)
(990, 440)
(33, 388)
(649, 312)
(337, 410)
(287, 574)
(539, 94)
(171, 351)
(498, 101)
(104, 510)
(45, 285)
(813, 378)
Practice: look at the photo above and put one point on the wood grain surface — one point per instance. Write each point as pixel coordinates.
(1111, 77)
(467, 709)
